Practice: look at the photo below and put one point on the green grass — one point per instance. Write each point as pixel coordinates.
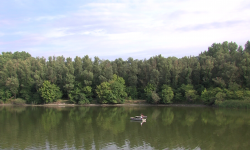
(234, 104)
(17, 101)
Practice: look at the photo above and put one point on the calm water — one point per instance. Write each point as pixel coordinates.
(111, 128)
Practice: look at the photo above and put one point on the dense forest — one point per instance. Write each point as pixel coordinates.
(220, 74)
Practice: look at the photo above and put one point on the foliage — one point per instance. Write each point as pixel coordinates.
(49, 92)
(5, 94)
(187, 92)
(81, 95)
(167, 94)
(132, 92)
(223, 67)
(12, 83)
(104, 93)
(209, 96)
(149, 90)
(112, 91)
(155, 98)
(178, 97)
(18, 101)
(191, 95)
(234, 104)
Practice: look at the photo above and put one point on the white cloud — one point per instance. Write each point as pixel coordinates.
(56, 33)
(41, 18)
(149, 27)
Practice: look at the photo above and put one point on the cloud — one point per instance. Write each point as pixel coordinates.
(113, 29)
(215, 25)
(41, 18)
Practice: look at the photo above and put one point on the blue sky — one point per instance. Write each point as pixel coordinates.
(113, 29)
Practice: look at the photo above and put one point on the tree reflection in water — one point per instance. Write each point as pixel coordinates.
(106, 127)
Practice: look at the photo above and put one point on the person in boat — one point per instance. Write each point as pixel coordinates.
(141, 116)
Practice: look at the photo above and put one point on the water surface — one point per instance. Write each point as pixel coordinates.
(111, 128)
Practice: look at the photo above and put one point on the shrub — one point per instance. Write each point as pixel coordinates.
(155, 97)
(167, 94)
(178, 97)
(112, 91)
(132, 92)
(18, 101)
(5, 94)
(83, 99)
(209, 96)
(191, 95)
(50, 92)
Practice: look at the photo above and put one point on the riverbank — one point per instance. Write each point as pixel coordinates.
(65, 103)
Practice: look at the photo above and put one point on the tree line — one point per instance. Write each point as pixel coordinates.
(218, 74)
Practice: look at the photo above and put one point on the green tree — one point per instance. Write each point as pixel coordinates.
(155, 97)
(4, 94)
(13, 84)
(187, 92)
(167, 94)
(104, 93)
(132, 92)
(209, 96)
(69, 78)
(112, 91)
(150, 93)
(50, 92)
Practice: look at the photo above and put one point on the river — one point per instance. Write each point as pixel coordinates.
(111, 128)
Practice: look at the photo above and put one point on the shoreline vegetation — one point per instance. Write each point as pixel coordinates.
(219, 76)
(127, 103)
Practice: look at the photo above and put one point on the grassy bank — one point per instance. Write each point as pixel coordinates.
(243, 104)
(234, 104)
(17, 101)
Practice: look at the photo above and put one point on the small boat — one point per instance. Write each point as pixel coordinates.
(144, 120)
(144, 117)
(138, 119)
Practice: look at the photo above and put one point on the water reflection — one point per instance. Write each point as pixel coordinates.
(138, 122)
(111, 127)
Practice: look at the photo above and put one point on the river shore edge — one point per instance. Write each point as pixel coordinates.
(104, 105)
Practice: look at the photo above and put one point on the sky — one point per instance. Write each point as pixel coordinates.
(112, 29)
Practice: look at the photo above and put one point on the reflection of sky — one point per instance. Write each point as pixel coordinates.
(113, 29)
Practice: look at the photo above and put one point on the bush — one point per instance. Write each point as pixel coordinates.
(50, 92)
(1, 102)
(132, 92)
(150, 93)
(167, 94)
(18, 101)
(36, 99)
(178, 97)
(155, 97)
(5, 94)
(112, 91)
(209, 96)
(191, 95)
(83, 99)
